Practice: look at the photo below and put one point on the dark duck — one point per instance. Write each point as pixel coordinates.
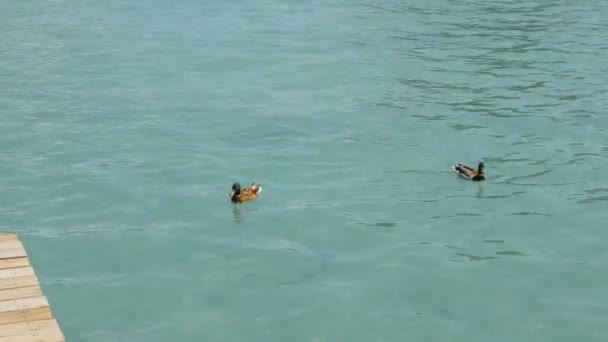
(238, 194)
(470, 173)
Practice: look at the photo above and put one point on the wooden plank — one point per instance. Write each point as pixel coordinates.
(12, 253)
(8, 237)
(23, 328)
(20, 292)
(53, 335)
(16, 272)
(23, 304)
(10, 245)
(12, 249)
(11, 283)
(25, 315)
(49, 335)
(14, 262)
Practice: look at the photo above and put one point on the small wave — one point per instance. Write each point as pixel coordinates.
(472, 257)
(513, 253)
(593, 200)
(529, 213)
(512, 180)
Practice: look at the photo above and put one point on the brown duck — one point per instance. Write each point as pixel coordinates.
(238, 195)
(470, 173)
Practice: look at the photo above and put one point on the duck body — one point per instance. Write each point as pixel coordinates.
(470, 173)
(238, 194)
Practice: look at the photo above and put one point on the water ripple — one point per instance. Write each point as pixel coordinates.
(123, 124)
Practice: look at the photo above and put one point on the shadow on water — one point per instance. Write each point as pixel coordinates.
(479, 193)
(237, 212)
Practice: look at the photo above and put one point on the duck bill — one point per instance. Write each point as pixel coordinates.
(231, 194)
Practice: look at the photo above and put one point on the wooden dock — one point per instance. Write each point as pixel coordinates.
(25, 314)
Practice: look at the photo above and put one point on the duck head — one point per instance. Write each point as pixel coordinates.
(480, 168)
(236, 190)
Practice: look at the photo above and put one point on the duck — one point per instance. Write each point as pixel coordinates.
(238, 195)
(470, 173)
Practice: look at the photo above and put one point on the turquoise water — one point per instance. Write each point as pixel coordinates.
(124, 123)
